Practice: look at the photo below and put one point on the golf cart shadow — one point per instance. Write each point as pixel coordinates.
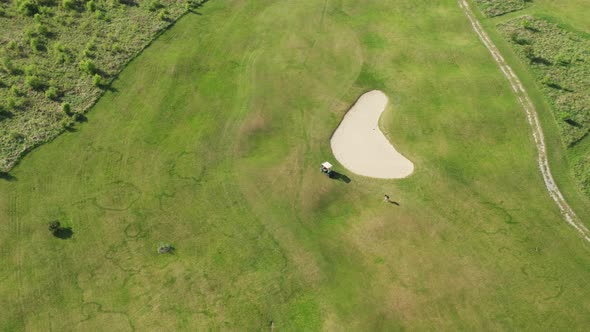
(339, 176)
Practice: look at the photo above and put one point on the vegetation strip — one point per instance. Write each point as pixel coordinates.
(500, 7)
(58, 57)
(560, 61)
(533, 119)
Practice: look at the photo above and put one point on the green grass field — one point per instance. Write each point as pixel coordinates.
(211, 141)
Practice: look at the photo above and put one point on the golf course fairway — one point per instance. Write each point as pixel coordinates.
(211, 141)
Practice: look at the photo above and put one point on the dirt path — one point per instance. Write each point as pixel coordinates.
(523, 98)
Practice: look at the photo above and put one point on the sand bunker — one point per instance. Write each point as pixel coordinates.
(361, 147)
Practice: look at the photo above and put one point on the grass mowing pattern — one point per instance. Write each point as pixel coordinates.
(560, 60)
(54, 54)
(500, 7)
(212, 145)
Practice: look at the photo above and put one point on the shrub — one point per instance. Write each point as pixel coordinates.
(88, 53)
(69, 4)
(562, 59)
(42, 30)
(8, 66)
(52, 93)
(116, 48)
(529, 53)
(16, 136)
(99, 14)
(54, 226)
(91, 44)
(67, 122)
(59, 47)
(15, 91)
(11, 45)
(97, 80)
(46, 11)
(30, 70)
(154, 5)
(527, 25)
(66, 108)
(34, 82)
(11, 103)
(91, 6)
(36, 44)
(516, 38)
(163, 15)
(88, 67)
(28, 7)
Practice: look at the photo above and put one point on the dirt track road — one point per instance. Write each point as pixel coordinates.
(523, 98)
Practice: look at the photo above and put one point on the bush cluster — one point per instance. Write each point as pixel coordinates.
(560, 61)
(64, 52)
(500, 7)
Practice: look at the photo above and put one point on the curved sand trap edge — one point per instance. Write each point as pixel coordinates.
(360, 146)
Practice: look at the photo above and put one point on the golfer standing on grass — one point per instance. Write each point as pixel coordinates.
(386, 198)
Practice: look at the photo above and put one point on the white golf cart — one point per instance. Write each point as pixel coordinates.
(326, 168)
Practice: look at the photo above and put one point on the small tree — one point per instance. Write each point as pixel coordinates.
(28, 7)
(34, 82)
(527, 25)
(36, 44)
(565, 116)
(69, 4)
(163, 15)
(52, 93)
(54, 226)
(529, 53)
(8, 66)
(66, 108)
(97, 80)
(91, 6)
(88, 67)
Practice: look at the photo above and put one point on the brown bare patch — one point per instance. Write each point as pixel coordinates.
(254, 123)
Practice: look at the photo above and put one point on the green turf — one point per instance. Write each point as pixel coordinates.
(211, 141)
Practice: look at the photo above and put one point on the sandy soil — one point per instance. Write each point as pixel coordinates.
(361, 147)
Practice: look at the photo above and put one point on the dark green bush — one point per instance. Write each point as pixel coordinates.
(88, 67)
(36, 44)
(35, 82)
(69, 4)
(27, 7)
(97, 80)
(66, 108)
(52, 93)
(154, 5)
(8, 66)
(91, 6)
(163, 15)
(15, 91)
(11, 45)
(42, 30)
